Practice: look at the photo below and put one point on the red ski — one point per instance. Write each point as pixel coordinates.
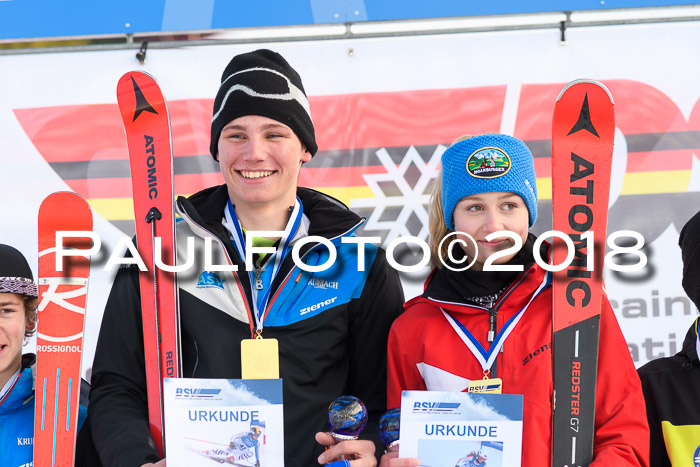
(583, 130)
(147, 127)
(61, 317)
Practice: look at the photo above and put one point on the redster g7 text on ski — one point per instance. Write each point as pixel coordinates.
(575, 391)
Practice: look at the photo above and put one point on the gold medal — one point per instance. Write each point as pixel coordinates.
(486, 385)
(260, 359)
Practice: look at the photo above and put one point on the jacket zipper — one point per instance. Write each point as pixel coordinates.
(286, 277)
(493, 312)
(493, 327)
(493, 315)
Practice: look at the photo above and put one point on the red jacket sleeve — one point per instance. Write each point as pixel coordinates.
(621, 427)
(402, 372)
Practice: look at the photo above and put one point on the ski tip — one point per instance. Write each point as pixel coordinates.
(585, 81)
(55, 203)
(125, 86)
(51, 218)
(59, 196)
(131, 73)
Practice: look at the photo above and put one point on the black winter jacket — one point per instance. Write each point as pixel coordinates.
(671, 388)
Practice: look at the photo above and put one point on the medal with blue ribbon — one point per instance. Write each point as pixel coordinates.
(260, 357)
(261, 282)
(486, 358)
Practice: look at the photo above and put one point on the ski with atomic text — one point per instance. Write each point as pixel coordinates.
(583, 129)
(147, 126)
(63, 283)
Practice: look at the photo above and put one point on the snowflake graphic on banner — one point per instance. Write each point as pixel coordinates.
(411, 201)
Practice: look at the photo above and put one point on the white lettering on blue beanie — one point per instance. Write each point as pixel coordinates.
(484, 164)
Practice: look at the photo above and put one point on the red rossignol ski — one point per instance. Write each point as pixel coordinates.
(583, 130)
(61, 318)
(147, 127)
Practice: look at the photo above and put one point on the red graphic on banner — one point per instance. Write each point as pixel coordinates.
(85, 145)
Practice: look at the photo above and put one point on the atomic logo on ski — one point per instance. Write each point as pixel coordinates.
(584, 120)
(142, 104)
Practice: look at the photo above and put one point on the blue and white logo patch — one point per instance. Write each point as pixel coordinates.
(198, 393)
(436, 407)
(210, 280)
(323, 284)
(696, 457)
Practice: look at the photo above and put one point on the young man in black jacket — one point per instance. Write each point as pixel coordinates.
(332, 326)
(671, 385)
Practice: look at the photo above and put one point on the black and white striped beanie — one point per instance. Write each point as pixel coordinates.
(262, 83)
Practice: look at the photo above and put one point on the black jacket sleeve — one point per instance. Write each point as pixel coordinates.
(118, 410)
(379, 305)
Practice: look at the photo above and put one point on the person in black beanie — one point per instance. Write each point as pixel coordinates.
(331, 325)
(263, 83)
(671, 384)
(689, 241)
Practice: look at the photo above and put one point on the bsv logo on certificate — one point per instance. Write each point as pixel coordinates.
(223, 421)
(462, 429)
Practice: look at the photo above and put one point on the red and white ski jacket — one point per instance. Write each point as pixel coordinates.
(425, 353)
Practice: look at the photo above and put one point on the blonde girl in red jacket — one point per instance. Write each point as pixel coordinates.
(488, 184)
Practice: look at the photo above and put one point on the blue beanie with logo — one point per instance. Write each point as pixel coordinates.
(484, 164)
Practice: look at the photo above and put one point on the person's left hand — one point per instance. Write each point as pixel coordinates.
(361, 451)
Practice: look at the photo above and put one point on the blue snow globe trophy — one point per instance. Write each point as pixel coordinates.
(388, 428)
(347, 417)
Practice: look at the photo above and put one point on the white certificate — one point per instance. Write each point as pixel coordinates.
(461, 429)
(212, 422)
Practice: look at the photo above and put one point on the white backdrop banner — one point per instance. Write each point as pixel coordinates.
(384, 110)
